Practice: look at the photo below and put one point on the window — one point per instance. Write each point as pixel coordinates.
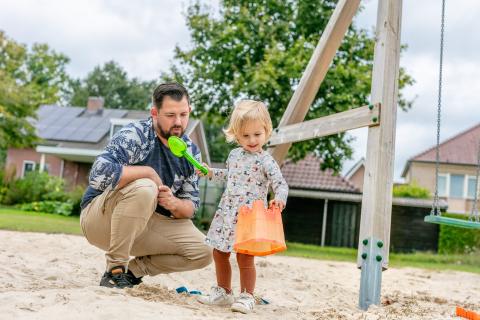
(27, 167)
(46, 168)
(118, 123)
(471, 186)
(457, 182)
(115, 129)
(442, 185)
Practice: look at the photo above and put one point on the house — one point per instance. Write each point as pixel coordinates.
(73, 136)
(320, 207)
(457, 169)
(356, 173)
(324, 209)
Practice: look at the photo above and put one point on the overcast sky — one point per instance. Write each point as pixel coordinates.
(141, 36)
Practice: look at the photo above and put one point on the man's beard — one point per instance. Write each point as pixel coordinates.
(167, 134)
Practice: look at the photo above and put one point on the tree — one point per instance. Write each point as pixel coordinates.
(111, 82)
(28, 78)
(259, 49)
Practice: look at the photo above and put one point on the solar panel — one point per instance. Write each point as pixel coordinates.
(96, 135)
(72, 124)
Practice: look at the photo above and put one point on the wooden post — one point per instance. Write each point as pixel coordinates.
(316, 69)
(378, 180)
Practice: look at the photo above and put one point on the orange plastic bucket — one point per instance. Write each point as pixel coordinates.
(259, 231)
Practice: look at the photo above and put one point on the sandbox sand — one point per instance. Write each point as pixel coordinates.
(46, 276)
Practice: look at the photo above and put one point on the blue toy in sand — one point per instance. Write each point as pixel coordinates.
(184, 289)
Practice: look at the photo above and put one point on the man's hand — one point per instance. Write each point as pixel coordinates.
(166, 198)
(180, 208)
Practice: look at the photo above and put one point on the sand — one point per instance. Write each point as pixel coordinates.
(46, 276)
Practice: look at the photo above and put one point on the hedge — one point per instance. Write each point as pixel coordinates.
(453, 240)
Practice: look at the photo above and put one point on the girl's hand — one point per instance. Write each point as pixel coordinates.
(200, 173)
(277, 203)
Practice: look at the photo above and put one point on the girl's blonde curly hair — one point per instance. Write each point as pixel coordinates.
(244, 111)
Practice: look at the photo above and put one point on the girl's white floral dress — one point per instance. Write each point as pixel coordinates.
(248, 177)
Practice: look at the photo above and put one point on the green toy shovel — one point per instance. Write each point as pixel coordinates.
(179, 149)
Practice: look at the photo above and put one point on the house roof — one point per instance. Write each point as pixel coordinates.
(306, 174)
(460, 149)
(75, 124)
(76, 127)
(76, 134)
(357, 166)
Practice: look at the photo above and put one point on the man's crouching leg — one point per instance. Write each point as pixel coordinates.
(114, 221)
(173, 245)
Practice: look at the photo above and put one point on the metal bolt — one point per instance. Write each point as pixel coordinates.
(364, 256)
(379, 258)
(374, 119)
(365, 242)
(380, 244)
(370, 106)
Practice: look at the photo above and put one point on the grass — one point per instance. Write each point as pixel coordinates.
(18, 220)
(424, 260)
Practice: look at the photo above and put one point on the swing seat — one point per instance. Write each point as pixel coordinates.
(452, 222)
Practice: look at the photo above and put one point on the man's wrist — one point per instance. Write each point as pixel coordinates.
(184, 208)
(176, 204)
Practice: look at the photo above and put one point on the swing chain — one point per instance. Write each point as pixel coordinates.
(435, 206)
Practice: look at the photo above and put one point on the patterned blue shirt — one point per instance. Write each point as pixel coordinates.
(138, 144)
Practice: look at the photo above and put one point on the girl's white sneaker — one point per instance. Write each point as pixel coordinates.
(244, 303)
(218, 297)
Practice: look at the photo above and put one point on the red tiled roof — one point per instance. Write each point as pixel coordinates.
(306, 174)
(459, 149)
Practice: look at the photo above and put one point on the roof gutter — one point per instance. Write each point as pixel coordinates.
(73, 154)
(353, 197)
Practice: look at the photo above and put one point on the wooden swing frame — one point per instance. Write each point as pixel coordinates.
(380, 118)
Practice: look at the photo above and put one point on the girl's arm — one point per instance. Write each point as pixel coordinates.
(274, 175)
(219, 175)
(215, 174)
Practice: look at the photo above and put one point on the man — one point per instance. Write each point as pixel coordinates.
(141, 197)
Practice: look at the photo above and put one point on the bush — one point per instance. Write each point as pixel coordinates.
(75, 197)
(3, 193)
(3, 185)
(412, 190)
(458, 240)
(35, 187)
(202, 223)
(56, 207)
(2, 174)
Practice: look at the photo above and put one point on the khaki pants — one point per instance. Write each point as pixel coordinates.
(123, 223)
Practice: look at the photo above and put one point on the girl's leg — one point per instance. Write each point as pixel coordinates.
(220, 295)
(248, 274)
(223, 269)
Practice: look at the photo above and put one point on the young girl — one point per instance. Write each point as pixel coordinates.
(250, 171)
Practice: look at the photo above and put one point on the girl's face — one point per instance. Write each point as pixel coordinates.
(253, 136)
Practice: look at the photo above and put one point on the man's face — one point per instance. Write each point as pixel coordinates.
(171, 119)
